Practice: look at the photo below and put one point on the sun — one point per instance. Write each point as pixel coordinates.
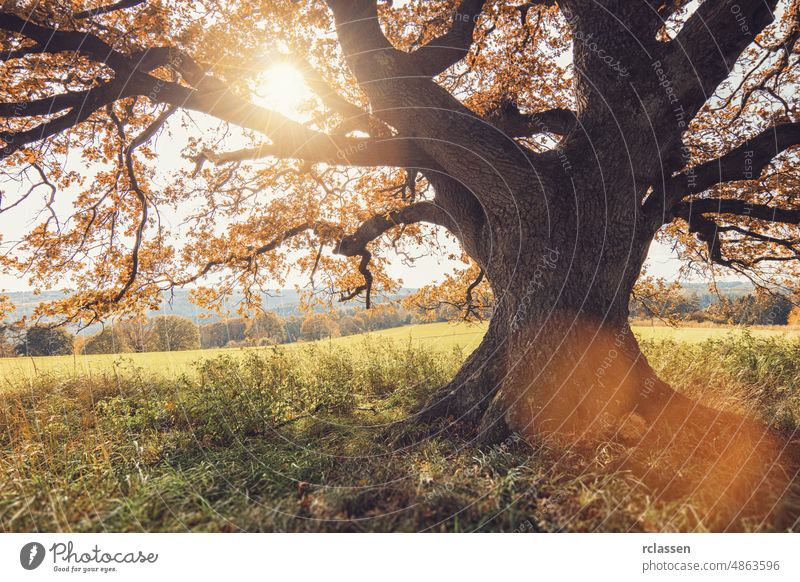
(282, 88)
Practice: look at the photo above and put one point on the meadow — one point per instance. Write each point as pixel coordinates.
(321, 437)
(440, 336)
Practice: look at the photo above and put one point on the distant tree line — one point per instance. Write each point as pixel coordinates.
(158, 334)
(35, 341)
(758, 308)
(171, 333)
(269, 328)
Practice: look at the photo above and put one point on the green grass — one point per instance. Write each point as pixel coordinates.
(701, 334)
(440, 336)
(307, 438)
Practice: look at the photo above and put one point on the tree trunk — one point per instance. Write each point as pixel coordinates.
(560, 363)
(466, 398)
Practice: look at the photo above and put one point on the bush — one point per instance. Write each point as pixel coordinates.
(222, 333)
(247, 396)
(742, 372)
(112, 340)
(46, 341)
(171, 333)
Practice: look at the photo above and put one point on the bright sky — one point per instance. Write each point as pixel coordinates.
(661, 261)
(282, 88)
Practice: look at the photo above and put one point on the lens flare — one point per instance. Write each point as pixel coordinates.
(597, 389)
(282, 88)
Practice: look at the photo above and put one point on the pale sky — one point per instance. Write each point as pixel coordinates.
(282, 89)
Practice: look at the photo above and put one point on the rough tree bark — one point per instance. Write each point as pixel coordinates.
(560, 235)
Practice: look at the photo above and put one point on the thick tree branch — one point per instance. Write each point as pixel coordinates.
(738, 208)
(139, 140)
(704, 52)
(366, 288)
(247, 259)
(788, 244)
(208, 95)
(414, 104)
(470, 309)
(81, 110)
(745, 162)
(374, 227)
(514, 123)
(144, 206)
(355, 118)
(291, 139)
(334, 150)
(121, 5)
(708, 230)
(362, 40)
(352, 246)
(47, 105)
(444, 51)
(369, 230)
(52, 40)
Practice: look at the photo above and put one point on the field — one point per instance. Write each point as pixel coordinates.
(440, 336)
(320, 437)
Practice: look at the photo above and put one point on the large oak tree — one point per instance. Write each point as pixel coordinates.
(552, 140)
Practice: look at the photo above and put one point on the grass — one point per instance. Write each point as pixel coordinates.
(441, 336)
(307, 438)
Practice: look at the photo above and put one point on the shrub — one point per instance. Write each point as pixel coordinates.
(171, 333)
(222, 333)
(112, 340)
(46, 341)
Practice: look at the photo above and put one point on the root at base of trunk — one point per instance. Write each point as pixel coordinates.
(728, 471)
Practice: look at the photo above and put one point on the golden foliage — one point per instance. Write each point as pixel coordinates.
(120, 223)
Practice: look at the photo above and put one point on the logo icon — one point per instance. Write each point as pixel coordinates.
(31, 555)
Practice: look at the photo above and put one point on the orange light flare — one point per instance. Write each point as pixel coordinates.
(597, 388)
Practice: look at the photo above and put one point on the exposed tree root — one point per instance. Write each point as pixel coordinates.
(730, 471)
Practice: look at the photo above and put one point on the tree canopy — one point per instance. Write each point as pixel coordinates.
(343, 185)
(551, 141)
(46, 341)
